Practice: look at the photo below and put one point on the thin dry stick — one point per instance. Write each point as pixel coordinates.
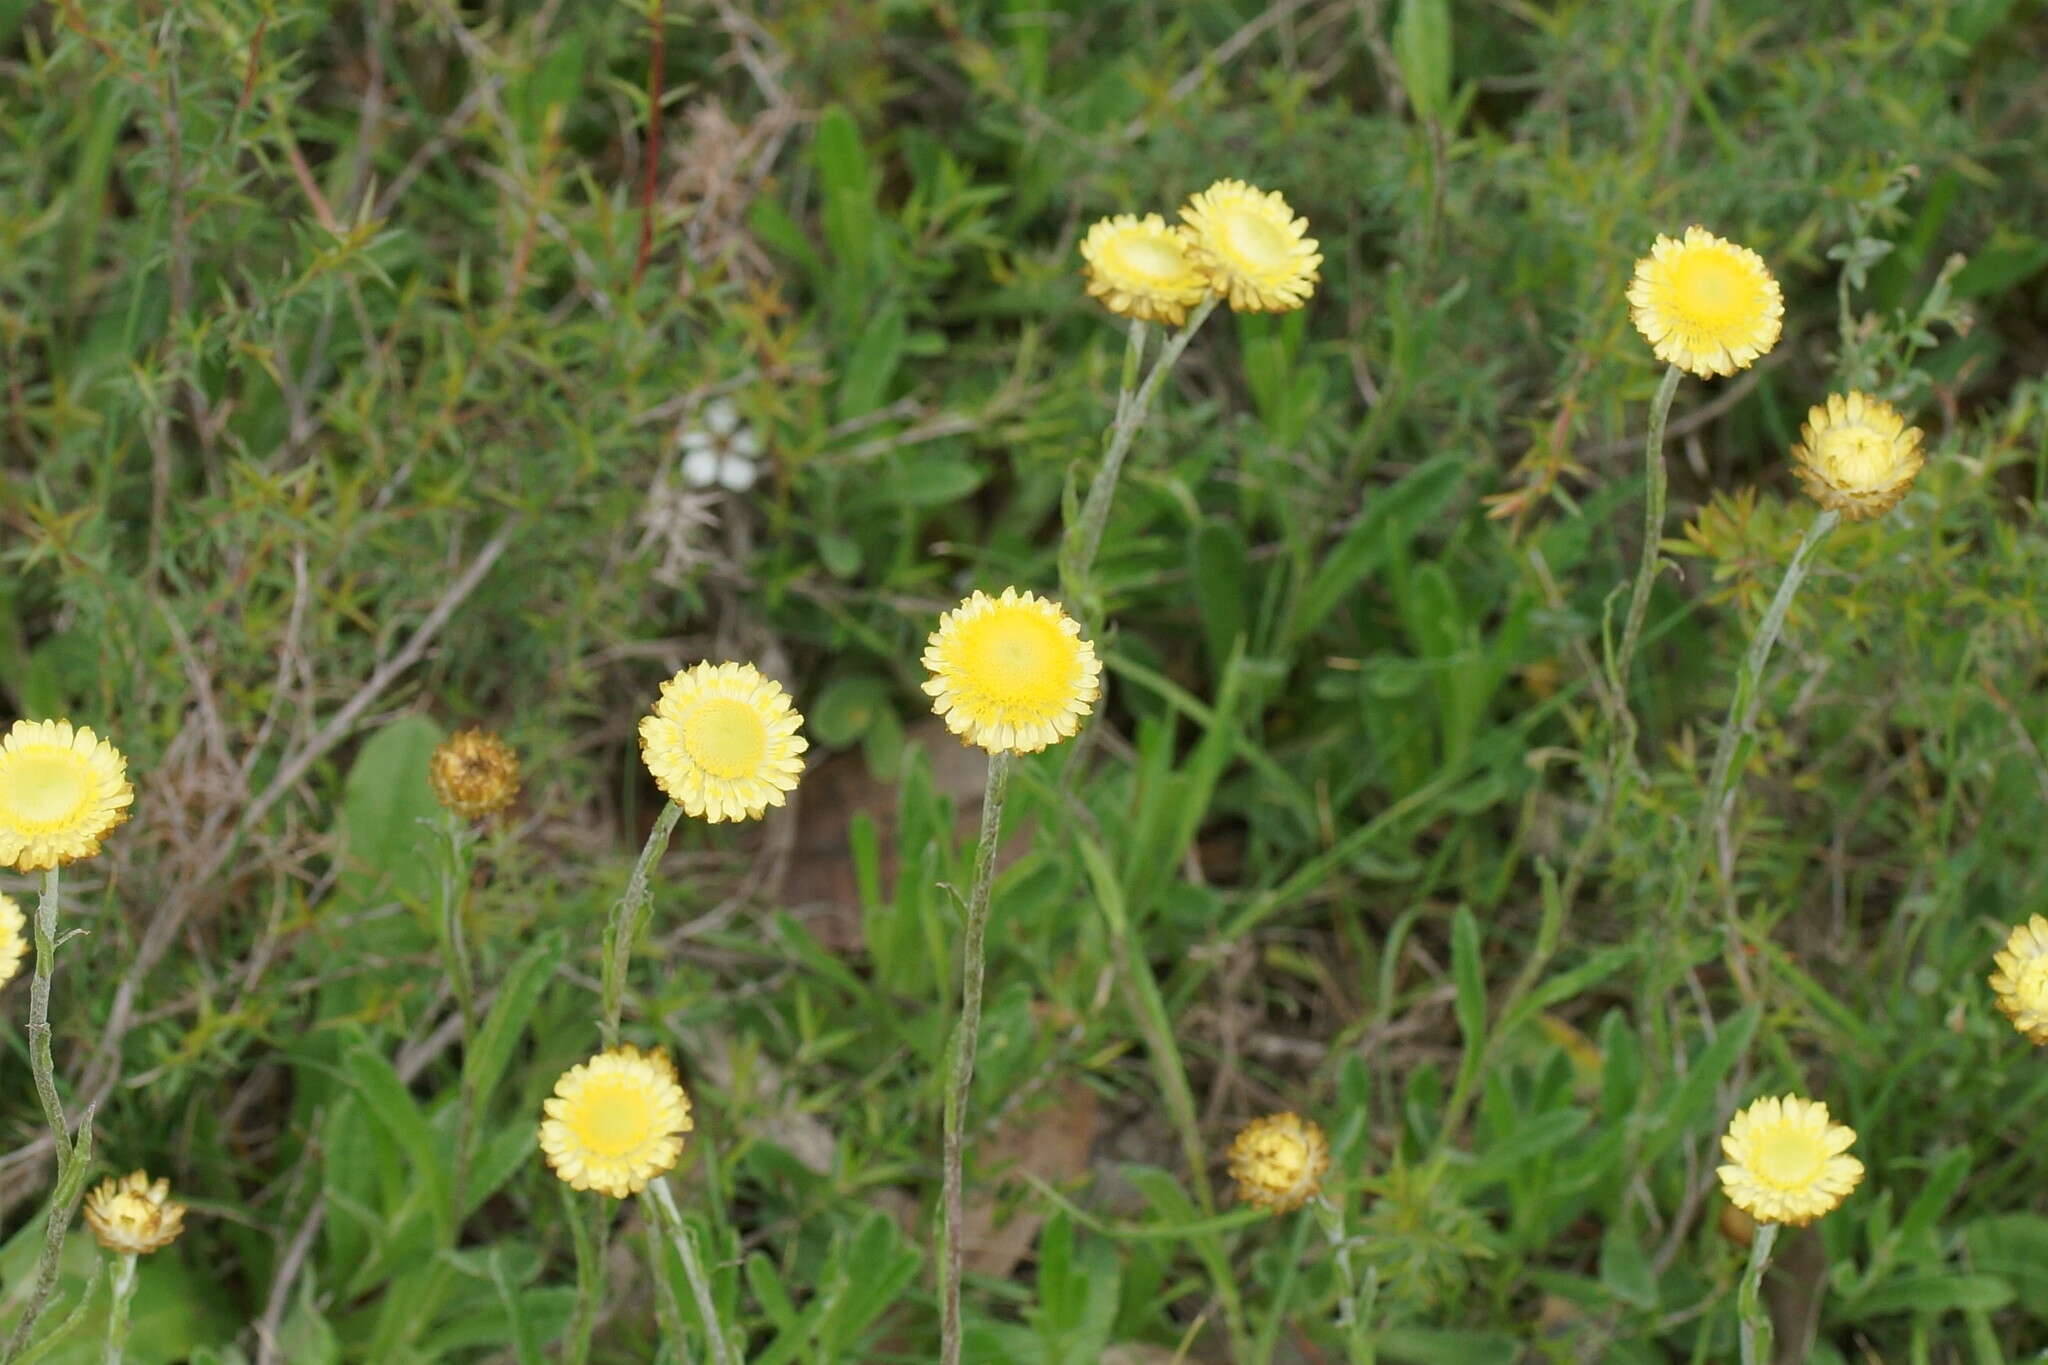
(960, 1068)
(656, 60)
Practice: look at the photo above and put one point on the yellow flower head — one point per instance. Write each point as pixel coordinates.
(61, 790)
(1278, 1162)
(474, 774)
(616, 1121)
(130, 1214)
(13, 937)
(1857, 456)
(1704, 304)
(1786, 1162)
(1257, 253)
(1141, 268)
(1011, 673)
(2021, 979)
(723, 742)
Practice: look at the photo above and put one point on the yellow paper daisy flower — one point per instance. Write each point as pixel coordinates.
(13, 937)
(131, 1214)
(1011, 673)
(1256, 252)
(1141, 268)
(1705, 304)
(474, 773)
(61, 790)
(1786, 1162)
(1278, 1162)
(723, 742)
(1857, 456)
(2021, 979)
(616, 1121)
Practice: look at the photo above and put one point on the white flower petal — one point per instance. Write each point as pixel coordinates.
(694, 441)
(744, 443)
(737, 474)
(700, 468)
(720, 416)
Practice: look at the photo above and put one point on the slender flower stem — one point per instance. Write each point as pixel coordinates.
(117, 1315)
(1712, 828)
(1354, 1313)
(1756, 1329)
(685, 1239)
(629, 919)
(960, 1066)
(1084, 538)
(590, 1247)
(73, 1156)
(455, 865)
(1655, 481)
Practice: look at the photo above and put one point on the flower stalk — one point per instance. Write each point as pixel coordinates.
(1656, 481)
(117, 1314)
(1754, 1320)
(684, 1238)
(1355, 1309)
(629, 920)
(457, 842)
(960, 1065)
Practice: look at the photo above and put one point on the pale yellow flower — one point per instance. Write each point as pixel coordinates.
(1786, 1162)
(1705, 304)
(2022, 979)
(723, 742)
(616, 1121)
(131, 1214)
(1256, 252)
(1279, 1161)
(61, 790)
(13, 937)
(1141, 268)
(1012, 673)
(1856, 455)
(474, 773)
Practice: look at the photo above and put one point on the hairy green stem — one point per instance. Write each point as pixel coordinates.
(1755, 1320)
(960, 1065)
(117, 1314)
(1355, 1311)
(629, 919)
(685, 1239)
(1655, 482)
(73, 1156)
(1712, 827)
(462, 975)
(1084, 538)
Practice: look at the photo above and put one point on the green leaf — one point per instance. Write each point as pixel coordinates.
(841, 714)
(1422, 48)
(1468, 971)
(1391, 519)
(385, 801)
(1218, 563)
(1931, 1292)
(376, 1083)
(2014, 1247)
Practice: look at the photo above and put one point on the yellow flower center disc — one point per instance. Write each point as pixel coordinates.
(1256, 239)
(1152, 258)
(1018, 657)
(1788, 1159)
(1856, 456)
(725, 738)
(1712, 291)
(46, 789)
(613, 1120)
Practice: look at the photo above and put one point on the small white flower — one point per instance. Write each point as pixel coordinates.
(720, 450)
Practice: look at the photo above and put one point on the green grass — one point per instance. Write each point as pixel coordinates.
(339, 407)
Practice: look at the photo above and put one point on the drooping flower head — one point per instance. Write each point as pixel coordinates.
(474, 773)
(61, 790)
(1856, 455)
(1141, 268)
(13, 937)
(616, 1121)
(2022, 979)
(131, 1214)
(1705, 304)
(1256, 252)
(1012, 673)
(1786, 1162)
(1278, 1162)
(723, 742)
